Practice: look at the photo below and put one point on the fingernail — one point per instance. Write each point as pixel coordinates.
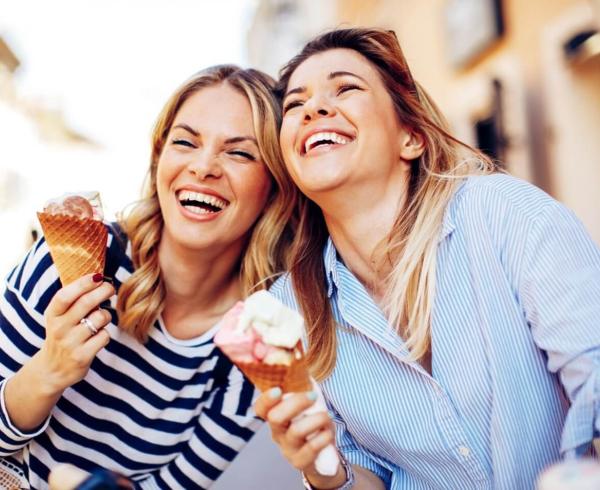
(97, 277)
(311, 395)
(275, 393)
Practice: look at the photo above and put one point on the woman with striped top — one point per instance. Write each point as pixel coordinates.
(145, 392)
(449, 308)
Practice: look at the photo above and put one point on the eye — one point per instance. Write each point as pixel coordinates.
(291, 105)
(243, 154)
(182, 142)
(346, 87)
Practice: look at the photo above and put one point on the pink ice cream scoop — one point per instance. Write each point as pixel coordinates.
(242, 344)
(238, 344)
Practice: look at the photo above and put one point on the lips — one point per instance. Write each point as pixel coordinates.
(324, 137)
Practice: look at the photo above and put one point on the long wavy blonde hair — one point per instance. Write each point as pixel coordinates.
(141, 297)
(410, 248)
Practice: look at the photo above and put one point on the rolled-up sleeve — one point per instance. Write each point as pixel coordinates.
(560, 289)
(22, 332)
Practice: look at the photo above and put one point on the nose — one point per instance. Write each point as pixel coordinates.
(317, 107)
(205, 165)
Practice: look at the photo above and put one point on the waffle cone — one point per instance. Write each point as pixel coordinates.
(77, 246)
(293, 378)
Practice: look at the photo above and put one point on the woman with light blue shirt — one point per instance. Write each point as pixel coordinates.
(452, 311)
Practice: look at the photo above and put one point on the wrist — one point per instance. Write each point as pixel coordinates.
(44, 380)
(343, 479)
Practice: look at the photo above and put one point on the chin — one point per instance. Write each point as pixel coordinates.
(320, 182)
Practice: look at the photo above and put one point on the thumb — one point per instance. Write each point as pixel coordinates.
(266, 401)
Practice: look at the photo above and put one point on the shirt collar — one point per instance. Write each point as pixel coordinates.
(448, 224)
(449, 221)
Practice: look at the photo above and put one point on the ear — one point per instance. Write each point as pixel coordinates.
(411, 144)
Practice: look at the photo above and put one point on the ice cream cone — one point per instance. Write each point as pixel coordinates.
(290, 379)
(77, 246)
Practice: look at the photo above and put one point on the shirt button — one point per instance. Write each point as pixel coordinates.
(464, 451)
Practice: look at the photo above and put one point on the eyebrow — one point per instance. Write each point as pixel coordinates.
(235, 139)
(331, 76)
(240, 139)
(187, 128)
(336, 74)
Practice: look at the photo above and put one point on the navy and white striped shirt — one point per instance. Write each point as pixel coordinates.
(168, 413)
(516, 325)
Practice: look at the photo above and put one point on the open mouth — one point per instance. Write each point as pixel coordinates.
(325, 139)
(200, 203)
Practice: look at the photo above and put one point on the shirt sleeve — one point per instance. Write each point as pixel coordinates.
(352, 452)
(22, 331)
(561, 298)
(224, 427)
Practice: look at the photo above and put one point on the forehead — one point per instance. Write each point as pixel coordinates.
(219, 108)
(318, 67)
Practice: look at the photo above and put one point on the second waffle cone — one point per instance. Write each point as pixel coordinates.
(291, 379)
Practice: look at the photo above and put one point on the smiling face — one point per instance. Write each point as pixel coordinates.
(340, 129)
(211, 182)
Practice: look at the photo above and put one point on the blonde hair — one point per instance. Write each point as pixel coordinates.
(141, 297)
(411, 246)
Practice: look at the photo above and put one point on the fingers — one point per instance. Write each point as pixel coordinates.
(94, 345)
(305, 457)
(98, 320)
(303, 427)
(266, 401)
(300, 436)
(87, 302)
(281, 415)
(63, 300)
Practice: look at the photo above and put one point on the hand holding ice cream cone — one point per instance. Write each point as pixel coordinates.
(264, 339)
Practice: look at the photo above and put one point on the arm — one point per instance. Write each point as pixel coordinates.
(560, 290)
(35, 370)
(223, 429)
(292, 436)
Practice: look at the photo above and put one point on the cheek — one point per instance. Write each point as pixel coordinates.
(163, 180)
(254, 187)
(286, 139)
(160, 178)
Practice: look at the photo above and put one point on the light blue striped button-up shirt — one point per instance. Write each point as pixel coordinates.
(516, 326)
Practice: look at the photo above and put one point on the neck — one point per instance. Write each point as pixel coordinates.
(358, 221)
(200, 286)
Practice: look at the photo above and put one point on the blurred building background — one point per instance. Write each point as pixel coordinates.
(519, 79)
(38, 132)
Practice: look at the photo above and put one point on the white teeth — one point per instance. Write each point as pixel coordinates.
(197, 210)
(324, 136)
(200, 197)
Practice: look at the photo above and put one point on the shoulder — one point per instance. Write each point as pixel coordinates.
(35, 273)
(499, 198)
(118, 253)
(35, 278)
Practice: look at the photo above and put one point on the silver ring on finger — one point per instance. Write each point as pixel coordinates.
(90, 326)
